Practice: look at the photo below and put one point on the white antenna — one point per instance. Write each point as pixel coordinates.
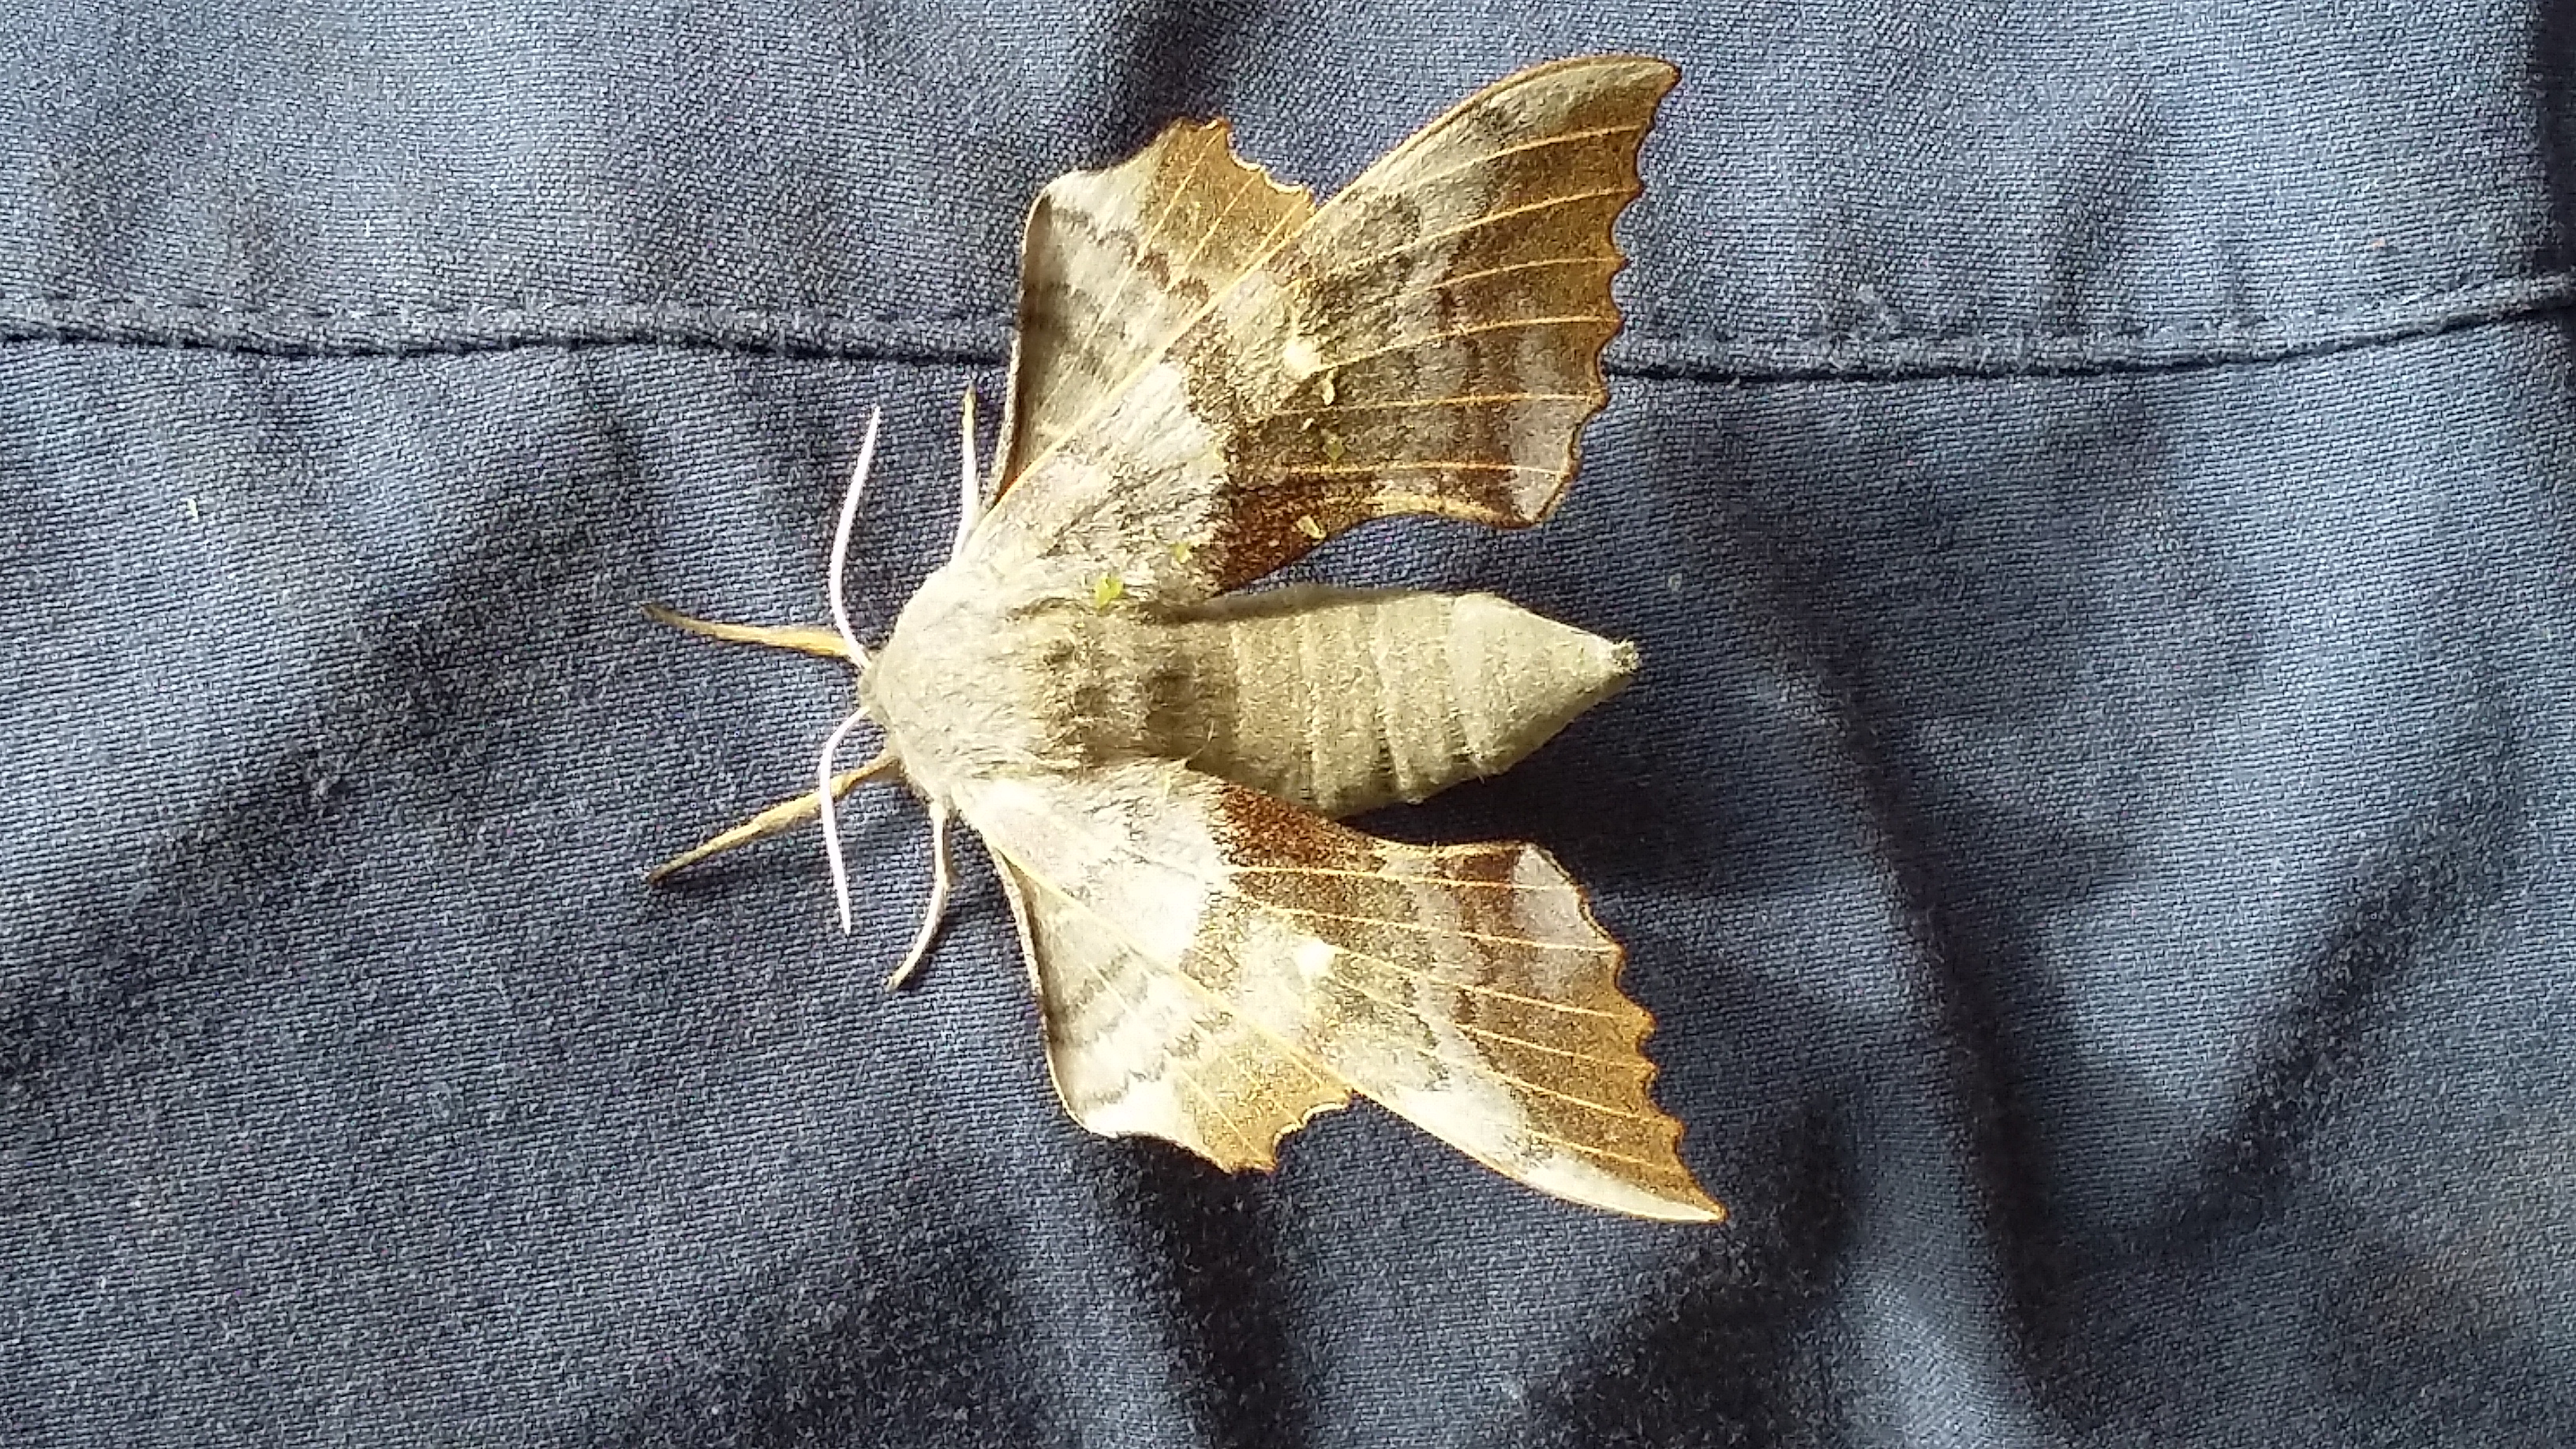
(832, 585)
(834, 590)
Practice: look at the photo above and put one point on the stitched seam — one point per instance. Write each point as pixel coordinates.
(1642, 349)
(330, 311)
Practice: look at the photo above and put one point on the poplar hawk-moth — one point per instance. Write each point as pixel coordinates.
(1211, 375)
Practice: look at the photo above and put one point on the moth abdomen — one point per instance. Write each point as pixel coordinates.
(1343, 700)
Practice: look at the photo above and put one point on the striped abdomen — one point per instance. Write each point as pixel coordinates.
(1347, 699)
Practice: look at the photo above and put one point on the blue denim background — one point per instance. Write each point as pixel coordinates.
(2091, 483)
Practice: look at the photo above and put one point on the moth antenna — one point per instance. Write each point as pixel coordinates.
(937, 910)
(840, 567)
(823, 806)
(970, 489)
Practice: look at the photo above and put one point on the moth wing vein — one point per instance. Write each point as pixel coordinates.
(1233, 199)
(1375, 466)
(1508, 324)
(1417, 973)
(1628, 1063)
(1475, 223)
(1436, 851)
(1404, 925)
(1488, 1069)
(1405, 404)
(1452, 279)
(1587, 1149)
(1541, 143)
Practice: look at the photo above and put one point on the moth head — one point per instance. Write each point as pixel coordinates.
(841, 642)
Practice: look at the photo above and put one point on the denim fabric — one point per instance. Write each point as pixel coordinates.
(2091, 484)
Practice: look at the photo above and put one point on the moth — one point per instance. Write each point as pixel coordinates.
(1211, 375)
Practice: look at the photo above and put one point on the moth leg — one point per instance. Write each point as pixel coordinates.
(824, 795)
(803, 638)
(970, 489)
(1018, 897)
(937, 910)
(784, 816)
